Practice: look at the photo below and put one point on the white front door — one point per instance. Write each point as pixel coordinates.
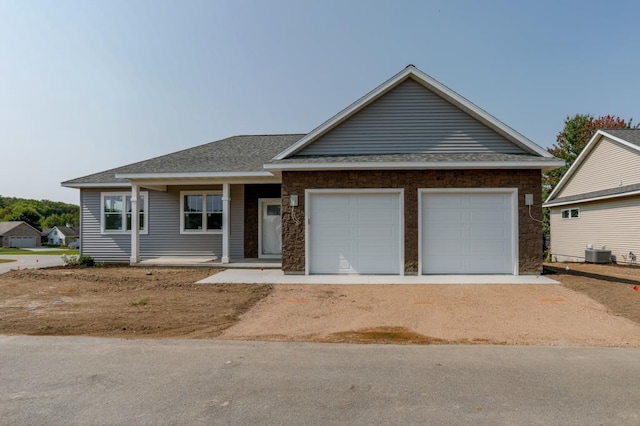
(269, 228)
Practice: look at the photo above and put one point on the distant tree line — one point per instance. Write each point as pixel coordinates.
(40, 214)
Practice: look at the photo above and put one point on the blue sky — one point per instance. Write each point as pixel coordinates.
(90, 85)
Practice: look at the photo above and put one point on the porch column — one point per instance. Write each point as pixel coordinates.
(135, 225)
(226, 221)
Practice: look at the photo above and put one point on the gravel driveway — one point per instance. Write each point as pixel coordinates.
(499, 314)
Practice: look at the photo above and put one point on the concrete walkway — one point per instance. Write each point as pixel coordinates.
(257, 276)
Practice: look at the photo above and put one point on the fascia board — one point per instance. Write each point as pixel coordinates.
(418, 165)
(192, 175)
(588, 200)
(96, 185)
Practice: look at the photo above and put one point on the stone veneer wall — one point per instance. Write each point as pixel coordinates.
(527, 182)
(251, 195)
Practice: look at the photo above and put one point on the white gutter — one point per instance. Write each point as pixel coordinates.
(587, 200)
(418, 165)
(192, 175)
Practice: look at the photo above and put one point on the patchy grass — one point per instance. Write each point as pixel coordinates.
(7, 260)
(5, 251)
(141, 302)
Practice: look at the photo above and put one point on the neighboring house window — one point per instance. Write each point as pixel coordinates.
(201, 212)
(116, 212)
(570, 213)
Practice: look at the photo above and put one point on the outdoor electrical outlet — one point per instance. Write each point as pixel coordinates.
(528, 199)
(293, 200)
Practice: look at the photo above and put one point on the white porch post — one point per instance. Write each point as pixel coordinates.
(135, 225)
(226, 221)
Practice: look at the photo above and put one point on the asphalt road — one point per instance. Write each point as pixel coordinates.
(63, 380)
(29, 262)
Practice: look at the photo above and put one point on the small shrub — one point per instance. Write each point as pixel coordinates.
(141, 302)
(70, 260)
(86, 261)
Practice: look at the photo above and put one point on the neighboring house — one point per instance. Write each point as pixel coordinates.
(597, 202)
(19, 234)
(62, 235)
(410, 179)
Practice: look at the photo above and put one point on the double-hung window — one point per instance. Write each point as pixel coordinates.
(200, 212)
(116, 212)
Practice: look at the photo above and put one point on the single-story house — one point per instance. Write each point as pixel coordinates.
(412, 178)
(62, 235)
(597, 202)
(19, 234)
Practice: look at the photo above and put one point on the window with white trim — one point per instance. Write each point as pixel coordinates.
(570, 213)
(200, 212)
(116, 212)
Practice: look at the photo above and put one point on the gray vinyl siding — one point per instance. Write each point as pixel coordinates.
(608, 165)
(410, 119)
(163, 237)
(236, 242)
(611, 223)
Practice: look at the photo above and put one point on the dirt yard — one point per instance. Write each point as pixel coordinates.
(139, 302)
(120, 302)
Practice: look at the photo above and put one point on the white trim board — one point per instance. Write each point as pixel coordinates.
(431, 84)
(515, 237)
(588, 200)
(261, 203)
(418, 165)
(308, 193)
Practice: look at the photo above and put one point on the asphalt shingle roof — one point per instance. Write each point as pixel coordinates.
(234, 154)
(8, 226)
(68, 231)
(629, 135)
(621, 190)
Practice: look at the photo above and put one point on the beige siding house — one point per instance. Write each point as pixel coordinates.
(597, 203)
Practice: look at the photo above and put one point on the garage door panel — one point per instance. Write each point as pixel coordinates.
(488, 233)
(22, 242)
(366, 249)
(354, 233)
(466, 233)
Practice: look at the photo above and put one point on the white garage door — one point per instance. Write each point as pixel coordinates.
(354, 233)
(22, 242)
(468, 233)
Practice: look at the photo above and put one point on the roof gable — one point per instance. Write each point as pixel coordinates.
(67, 231)
(410, 119)
(440, 94)
(8, 226)
(607, 166)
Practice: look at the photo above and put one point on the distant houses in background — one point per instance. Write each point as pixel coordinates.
(19, 234)
(62, 235)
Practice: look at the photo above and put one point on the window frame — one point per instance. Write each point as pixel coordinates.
(124, 230)
(204, 195)
(570, 214)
